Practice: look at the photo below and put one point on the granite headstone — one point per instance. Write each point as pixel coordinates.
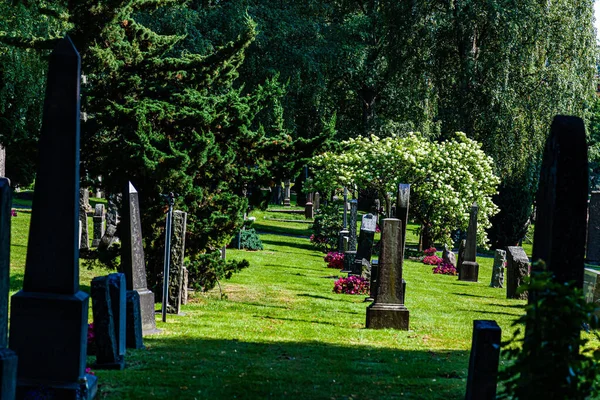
(469, 269)
(517, 269)
(177, 258)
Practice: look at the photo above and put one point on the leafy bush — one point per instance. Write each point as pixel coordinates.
(351, 285)
(551, 360)
(334, 260)
(205, 270)
(250, 240)
(327, 226)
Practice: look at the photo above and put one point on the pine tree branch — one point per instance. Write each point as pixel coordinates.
(29, 43)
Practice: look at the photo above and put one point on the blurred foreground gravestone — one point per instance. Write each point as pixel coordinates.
(48, 322)
(483, 362)
(108, 305)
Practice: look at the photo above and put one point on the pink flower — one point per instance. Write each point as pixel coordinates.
(88, 370)
(13, 212)
(351, 285)
(334, 260)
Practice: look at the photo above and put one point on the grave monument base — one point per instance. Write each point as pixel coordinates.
(134, 338)
(8, 374)
(469, 271)
(84, 389)
(382, 316)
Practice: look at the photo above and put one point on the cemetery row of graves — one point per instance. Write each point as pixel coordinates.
(289, 327)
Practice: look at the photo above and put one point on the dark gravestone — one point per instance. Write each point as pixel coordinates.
(592, 254)
(177, 258)
(366, 239)
(483, 363)
(517, 269)
(98, 224)
(2, 161)
(343, 240)
(85, 242)
(560, 228)
(317, 201)
(402, 206)
(349, 257)
(461, 255)
(8, 358)
(309, 210)
(133, 321)
(117, 285)
(112, 218)
(48, 323)
(132, 257)
(353, 214)
(469, 269)
(286, 193)
(388, 310)
(498, 269)
(105, 331)
(591, 287)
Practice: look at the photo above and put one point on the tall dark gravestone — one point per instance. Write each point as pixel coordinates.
(592, 254)
(48, 323)
(483, 363)
(106, 325)
(133, 263)
(517, 270)
(85, 241)
(176, 264)
(402, 206)
(366, 239)
(388, 310)
(8, 358)
(353, 219)
(98, 224)
(469, 269)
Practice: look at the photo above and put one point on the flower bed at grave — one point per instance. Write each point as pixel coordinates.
(440, 266)
(351, 285)
(445, 268)
(334, 260)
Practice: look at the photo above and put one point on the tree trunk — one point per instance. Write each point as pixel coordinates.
(426, 238)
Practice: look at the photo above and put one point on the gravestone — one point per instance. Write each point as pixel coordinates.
(461, 255)
(177, 258)
(366, 239)
(343, 237)
(108, 330)
(98, 224)
(48, 320)
(353, 214)
(591, 287)
(2, 161)
(85, 242)
(277, 197)
(117, 286)
(184, 286)
(309, 211)
(133, 321)
(286, 193)
(469, 269)
(498, 269)
(592, 255)
(517, 269)
(483, 362)
(112, 219)
(448, 256)
(133, 264)
(402, 206)
(8, 358)
(388, 310)
(317, 201)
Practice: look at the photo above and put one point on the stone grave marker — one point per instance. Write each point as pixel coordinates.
(309, 211)
(498, 269)
(317, 202)
(98, 224)
(48, 322)
(353, 219)
(117, 287)
(591, 287)
(132, 258)
(388, 310)
(366, 239)
(110, 343)
(483, 362)
(112, 219)
(85, 242)
(469, 269)
(461, 255)
(517, 269)
(286, 193)
(133, 321)
(2, 161)
(448, 256)
(184, 286)
(177, 258)
(8, 358)
(592, 254)
(402, 206)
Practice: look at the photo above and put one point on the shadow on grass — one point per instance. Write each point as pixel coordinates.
(296, 320)
(264, 228)
(471, 295)
(519, 306)
(175, 367)
(16, 282)
(283, 243)
(262, 305)
(491, 312)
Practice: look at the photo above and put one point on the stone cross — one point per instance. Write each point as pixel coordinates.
(177, 258)
(592, 254)
(498, 269)
(560, 229)
(388, 310)
(517, 269)
(402, 206)
(85, 242)
(483, 362)
(98, 224)
(353, 214)
(48, 322)
(366, 239)
(133, 263)
(469, 269)
(8, 358)
(286, 193)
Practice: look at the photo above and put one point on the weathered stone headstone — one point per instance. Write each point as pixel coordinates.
(85, 242)
(133, 263)
(448, 256)
(402, 206)
(353, 214)
(184, 286)
(177, 258)
(98, 224)
(48, 322)
(286, 193)
(461, 255)
(343, 240)
(112, 219)
(117, 287)
(2, 161)
(277, 197)
(591, 287)
(309, 211)
(133, 321)
(483, 362)
(366, 239)
(108, 355)
(388, 310)
(317, 201)
(592, 255)
(517, 269)
(498, 269)
(8, 358)
(469, 269)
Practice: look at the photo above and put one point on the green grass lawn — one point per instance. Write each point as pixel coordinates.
(283, 333)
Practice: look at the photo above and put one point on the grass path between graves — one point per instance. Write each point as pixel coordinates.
(283, 333)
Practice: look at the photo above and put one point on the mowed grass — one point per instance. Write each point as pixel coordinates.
(283, 333)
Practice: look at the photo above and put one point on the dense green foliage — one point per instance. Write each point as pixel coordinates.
(547, 361)
(250, 240)
(327, 226)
